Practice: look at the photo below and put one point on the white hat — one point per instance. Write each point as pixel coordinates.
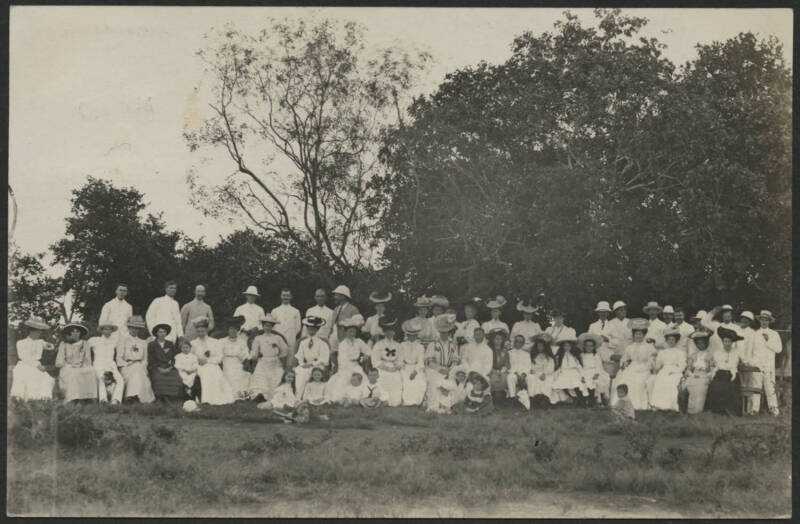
(701, 313)
(190, 405)
(38, 323)
(342, 290)
(496, 303)
(767, 315)
(251, 290)
(354, 321)
(726, 307)
(652, 305)
(618, 304)
(668, 309)
(269, 318)
(603, 306)
(747, 315)
(197, 321)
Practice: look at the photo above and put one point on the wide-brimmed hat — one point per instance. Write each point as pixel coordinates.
(37, 323)
(444, 323)
(235, 322)
(201, 321)
(474, 375)
(412, 326)
(342, 290)
(74, 325)
(724, 332)
(251, 290)
(136, 321)
(700, 333)
(423, 301)
(158, 326)
(603, 306)
(496, 303)
(269, 318)
(638, 324)
(387, 321)
(566, 338)
(598, 340)
(107, 324)
(652, 305)
(377, 297)
(765, 314)
(354, 321)
(314, 321)
(699, 315)
(668, 310)
(672, 332)
(547, 338)
(440, 300)
(618, 304)
(525, 306)
(726, 307)
(748, 315)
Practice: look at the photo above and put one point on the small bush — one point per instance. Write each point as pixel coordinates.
(279, 442)
(543, 450)
(671, 458)
(747, 441)
(166, 433)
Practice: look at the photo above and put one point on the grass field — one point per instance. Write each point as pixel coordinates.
(157, 460)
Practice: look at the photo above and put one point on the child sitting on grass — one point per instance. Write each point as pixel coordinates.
(623, 407)
(283, 398)
(452, 393)
(314, 390)
(110, 383)
(186, 363)
(356, 390)
(479, 397)
(377, 396)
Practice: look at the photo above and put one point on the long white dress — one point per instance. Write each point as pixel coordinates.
(542, 365)
(132, 363)
(234, 352)
(27, 381)
(311, 352)
(413, 357)
(268, 348)
(350, 350)
(519, 364)
(215, 389)
(569, 375)
(387, 359)
(592, 365)
(640, 358)
(670, 363)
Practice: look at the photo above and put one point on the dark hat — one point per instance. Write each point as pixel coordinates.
(157, 326)
(724, 332)
(80, 327)
(237, 321)
(313, 321)
(387, 321)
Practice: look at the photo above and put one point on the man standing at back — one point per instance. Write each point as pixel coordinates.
(320, 310)
(288, 320)
(252, 314)
(344, 309)
(165, 310)
(117, 311)
(195, 309)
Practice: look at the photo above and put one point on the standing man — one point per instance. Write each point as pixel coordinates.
(767, 344)
(752, 380)
(288, 320)
(321, 310)
(195, 309)
(165, 310)
(621, 335)
(343, 310)
(684, 328)
(668, 316)
(252, 313)
(655, 326)
(602, 326)
(527, 327)
(117, 311)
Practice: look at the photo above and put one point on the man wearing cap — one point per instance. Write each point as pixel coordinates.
(371, 327)
(165, 310)
(117, 311)
(312, 352)
(344, 310)
(289, 321)
(103, 349)
(767, 344)
(252, 313)
(320, 310)
(386, 357)
(655, 326)
(465, 329)
(194, 309)
(695, 322)
(726, 320)
(526, 327)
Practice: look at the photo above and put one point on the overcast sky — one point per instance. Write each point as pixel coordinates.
(107, 91)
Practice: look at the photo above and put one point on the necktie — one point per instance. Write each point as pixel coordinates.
(604, 323)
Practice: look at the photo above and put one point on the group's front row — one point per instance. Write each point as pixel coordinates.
(440, 375)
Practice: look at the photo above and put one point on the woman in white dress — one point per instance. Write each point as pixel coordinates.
(268, 349)
(441, 356)
(413, 357)
(540, 381)
(519, 369)
(635, 366)
(670, 364)
(29, 380)
(214, 387)
(132, 362)
(595, 376)
(386, 358)
(76, 378)
(234, 353)
(699, 371)
(568, 380)
(349, 355)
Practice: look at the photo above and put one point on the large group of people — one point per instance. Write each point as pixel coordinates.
(282, 360)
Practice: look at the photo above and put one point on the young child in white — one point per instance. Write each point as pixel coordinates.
(377, 395)
(186, 364)
(356, 390)
(314, 390)
(452, 392)
(519, 364)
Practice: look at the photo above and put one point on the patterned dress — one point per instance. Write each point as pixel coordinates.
(76, 378)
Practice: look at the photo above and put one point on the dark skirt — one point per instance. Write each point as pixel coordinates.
(724, 396)
(169, 385)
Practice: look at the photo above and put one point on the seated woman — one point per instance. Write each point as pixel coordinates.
(29, 380)
(519, 368)
(724, 392)
(164, 378)
(698, 373)
(595, 376)
(540, 380)
(441, 356)
(234, 353)
(268, 349)
(214, 387)
(132, 362)
(567, 380)
(314, 390)
(635, 366)
(348, 358)
(500, 345)
(670, 364)
(76, 378)
(103, 349)
(386, 358)
(313, 352)
(412, 355)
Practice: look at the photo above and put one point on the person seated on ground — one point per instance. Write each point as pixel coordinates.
(76, 379)
(103, 349)
(164, 378)
(186, 364)
(670, 364)
(594, 376)
(451, 392)
(110, 386)
(29, 379)
(283, 397)
(299, 415)
(314, 390)
(377, 396)
(478, 398)
(356, 390)
(519, 368)
(567, 382)
(540, 380)
(622, 409)
(724, 392)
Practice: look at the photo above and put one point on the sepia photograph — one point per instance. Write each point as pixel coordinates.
(399, 262)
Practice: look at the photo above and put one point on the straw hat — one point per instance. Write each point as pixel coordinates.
(269, 318)
(444, 323)
(525, 306)
(387, 321)
(748, 315)
(37, 323)
(496, 303)
(618, 304)
(354, 321)
(638, 324)
(107, 324)
(765, 314)
(73, 325)
(669, 310)
(412, 326)
(598, 340)
(158, 326)
(313, 321)
(423, 301)
(379, 298)
(440, 300)
(200, 321)
(136, 321)
(699, 315)
(566, 338)
(672, 332)
(724, 332)
(700, 333)
(251, 290)
(342, 290)
(603, 306)
(652, 305)
(726, 307)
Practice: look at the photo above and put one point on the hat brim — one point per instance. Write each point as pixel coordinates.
(315, 325)
(251, 294)
(37, 325)
(159, 326)
(375, 299)
(765, 317)
(112, 326)
(137, 326)
(649, 308)
(607, 310)
(83, 329)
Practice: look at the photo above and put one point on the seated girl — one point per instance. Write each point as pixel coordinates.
(451, 392)
(478, 395)
(186, 363)
(283, 397)
(314, 390)
(595, 376)
(568, 383)
(540, 381)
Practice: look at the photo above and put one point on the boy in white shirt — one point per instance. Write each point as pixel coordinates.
(519, 363)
